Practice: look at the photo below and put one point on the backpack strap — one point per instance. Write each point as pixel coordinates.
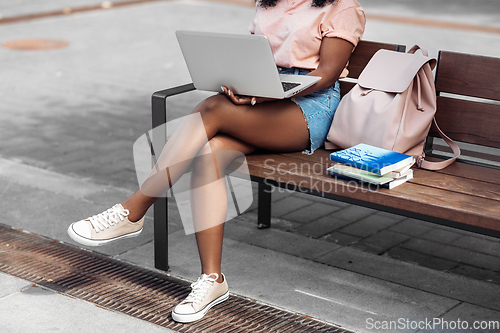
(415, 48)
(422, 163)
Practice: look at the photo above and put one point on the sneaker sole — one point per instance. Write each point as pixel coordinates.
(188, 318)
(98, 242)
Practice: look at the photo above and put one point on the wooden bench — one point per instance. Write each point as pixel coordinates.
(465, 195)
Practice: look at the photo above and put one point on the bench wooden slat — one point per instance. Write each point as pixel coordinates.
(486, 156)
(470, 171)
(463, 178)
(468, 121)
(345, 87)
(320, 155)
(363, 53)
(457, 184)
(464, 209)
(412, 197)
(469, 75)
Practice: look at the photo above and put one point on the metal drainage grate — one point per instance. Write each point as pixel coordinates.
(133, 290)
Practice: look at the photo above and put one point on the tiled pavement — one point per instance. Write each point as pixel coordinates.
(384, 234)
(69, 118)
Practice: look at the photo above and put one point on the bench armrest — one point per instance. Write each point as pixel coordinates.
(159, 102)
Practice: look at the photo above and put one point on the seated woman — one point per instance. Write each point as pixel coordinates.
(307, 38)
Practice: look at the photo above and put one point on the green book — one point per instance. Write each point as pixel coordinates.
(345, 171)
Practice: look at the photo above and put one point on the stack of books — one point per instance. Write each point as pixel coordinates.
(373, 165)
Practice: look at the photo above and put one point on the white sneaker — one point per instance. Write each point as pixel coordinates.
(110, 225)
(206, 292)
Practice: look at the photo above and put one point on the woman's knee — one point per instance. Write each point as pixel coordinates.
(215, 153)
(211, 105)
(210, 112)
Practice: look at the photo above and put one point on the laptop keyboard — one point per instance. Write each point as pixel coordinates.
(289, 85)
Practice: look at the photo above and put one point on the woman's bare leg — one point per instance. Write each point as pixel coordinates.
(209, 197)
(275, 126)
(278, 126)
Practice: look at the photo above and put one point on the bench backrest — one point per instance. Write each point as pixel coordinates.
(360, 57)
(468, 89)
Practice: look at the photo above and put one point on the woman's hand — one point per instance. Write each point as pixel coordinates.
(242, 100)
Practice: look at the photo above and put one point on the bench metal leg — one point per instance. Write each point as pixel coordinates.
(160, 207)
(264, 205)
(161, 234)
(159, 117)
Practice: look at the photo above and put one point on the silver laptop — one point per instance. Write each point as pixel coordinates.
(243, 63)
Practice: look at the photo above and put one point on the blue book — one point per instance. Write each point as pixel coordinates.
(377, 160)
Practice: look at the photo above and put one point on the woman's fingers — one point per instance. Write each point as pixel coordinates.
(263, 99)
(236, 99)
(240, 99)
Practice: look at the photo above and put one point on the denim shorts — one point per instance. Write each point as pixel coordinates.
(318, 109)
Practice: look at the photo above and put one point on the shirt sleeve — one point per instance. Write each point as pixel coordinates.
(348, 24)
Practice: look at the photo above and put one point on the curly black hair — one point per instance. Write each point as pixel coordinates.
(272, 3)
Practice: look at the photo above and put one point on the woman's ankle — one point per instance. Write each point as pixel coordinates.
(220, 278)
(137, 205)
(135, 214)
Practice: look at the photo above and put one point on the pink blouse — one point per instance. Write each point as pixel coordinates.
(295, 29)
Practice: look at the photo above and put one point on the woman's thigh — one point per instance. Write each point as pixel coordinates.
(277, 126)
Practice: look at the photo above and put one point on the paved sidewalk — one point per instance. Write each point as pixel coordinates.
(68, 120)
(25, 307)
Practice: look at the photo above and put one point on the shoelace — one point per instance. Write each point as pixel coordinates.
(108, 219)
(201, 288)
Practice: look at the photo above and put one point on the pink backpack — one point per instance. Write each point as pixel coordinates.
(392, 106)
